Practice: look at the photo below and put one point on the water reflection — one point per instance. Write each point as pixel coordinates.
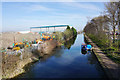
(92, 59)
(57, 53)
(83, 51)
(85, 40)
(69, 43)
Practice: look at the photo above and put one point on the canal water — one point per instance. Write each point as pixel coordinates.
(66, 62)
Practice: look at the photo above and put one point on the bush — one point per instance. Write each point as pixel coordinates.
(68, 27)
(59, 36)
(102, 42)
(67, 34)
(74, 31)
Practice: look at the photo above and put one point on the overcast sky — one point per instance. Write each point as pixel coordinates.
(17, 16)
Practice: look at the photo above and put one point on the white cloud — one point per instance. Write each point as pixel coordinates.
(60, 16)
(87, 6)
(70, 19)
(38, 8)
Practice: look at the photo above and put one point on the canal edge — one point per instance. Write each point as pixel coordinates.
(111, 68)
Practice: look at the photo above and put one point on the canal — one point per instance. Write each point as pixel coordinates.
(66, 62)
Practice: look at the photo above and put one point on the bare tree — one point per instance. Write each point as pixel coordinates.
(118, 5)
(111, 10)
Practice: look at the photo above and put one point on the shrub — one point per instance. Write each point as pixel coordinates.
(74, 31)
(67, 34)
(59, 37)
(68, 27)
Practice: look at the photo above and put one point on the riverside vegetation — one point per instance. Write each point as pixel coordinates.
(13, 64)
(66, 35)
(103, 31)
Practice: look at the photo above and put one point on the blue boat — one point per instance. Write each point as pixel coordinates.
(85, 47)
(89, 47)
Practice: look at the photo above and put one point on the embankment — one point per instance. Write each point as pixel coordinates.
(111, 68)
(13, 65)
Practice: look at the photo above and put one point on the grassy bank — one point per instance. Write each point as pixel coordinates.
(62, 37)
(111, 50)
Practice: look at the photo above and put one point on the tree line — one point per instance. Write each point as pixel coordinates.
(109, 22)
(104, 28)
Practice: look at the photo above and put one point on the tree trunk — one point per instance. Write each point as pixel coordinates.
(113, 34)
(119, 16)
(113, 29)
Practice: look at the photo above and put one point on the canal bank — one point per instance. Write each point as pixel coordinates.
(13, 61)
(13, 65)
(111, 68)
